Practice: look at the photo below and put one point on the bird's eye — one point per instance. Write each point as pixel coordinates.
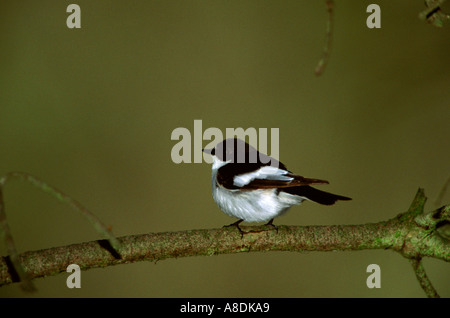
(213, 152)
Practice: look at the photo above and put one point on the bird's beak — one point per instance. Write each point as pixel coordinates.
(208, 151)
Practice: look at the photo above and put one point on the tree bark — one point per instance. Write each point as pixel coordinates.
(412, 234)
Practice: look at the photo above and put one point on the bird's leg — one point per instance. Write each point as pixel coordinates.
(271, 224)
(236, 224)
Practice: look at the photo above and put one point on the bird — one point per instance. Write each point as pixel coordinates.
(254, 187)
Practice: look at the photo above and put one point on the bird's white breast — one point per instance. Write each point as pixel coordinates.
(252, 205)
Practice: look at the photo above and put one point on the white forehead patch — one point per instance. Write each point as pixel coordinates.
(217, 163)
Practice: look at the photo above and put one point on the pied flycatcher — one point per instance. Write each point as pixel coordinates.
(254, 187)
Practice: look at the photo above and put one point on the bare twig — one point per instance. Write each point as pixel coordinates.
(328, 38)
(61, 196)
(423, 279)
(17, 268)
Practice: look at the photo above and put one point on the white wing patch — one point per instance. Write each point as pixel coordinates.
(266, 172)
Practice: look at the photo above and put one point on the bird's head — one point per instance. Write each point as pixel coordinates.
(234, 150)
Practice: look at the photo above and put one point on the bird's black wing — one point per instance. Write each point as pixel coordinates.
(252, 176)
(315, 195)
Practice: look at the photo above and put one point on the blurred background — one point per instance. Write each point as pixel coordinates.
(91, 111)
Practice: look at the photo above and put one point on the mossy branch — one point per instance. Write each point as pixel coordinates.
(433, 13)
(413, 234)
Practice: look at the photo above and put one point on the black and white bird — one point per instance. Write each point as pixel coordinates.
(253, 187)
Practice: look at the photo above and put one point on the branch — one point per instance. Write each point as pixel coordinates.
(433, 14)
(328, 38)
(403, 234)
(423, 279)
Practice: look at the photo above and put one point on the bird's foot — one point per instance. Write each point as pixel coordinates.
(272, 225)
(236, 224)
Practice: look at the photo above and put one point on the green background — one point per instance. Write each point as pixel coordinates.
(91, 112)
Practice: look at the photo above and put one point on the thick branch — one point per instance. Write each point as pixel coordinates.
(395, 234)
(413, 234)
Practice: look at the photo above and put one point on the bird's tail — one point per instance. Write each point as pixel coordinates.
(315, 195)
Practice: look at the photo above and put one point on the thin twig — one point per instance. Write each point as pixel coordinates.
(423, 279)
(328, 39)
(26, 285)
(61, 196)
